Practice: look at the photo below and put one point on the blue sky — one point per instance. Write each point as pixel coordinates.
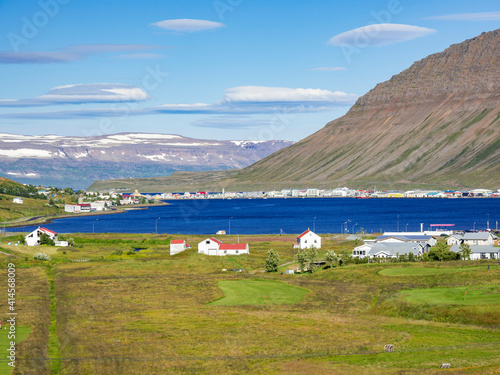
(218, 69)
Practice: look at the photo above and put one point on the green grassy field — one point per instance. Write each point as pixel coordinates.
(477, 295)
(429, 270)
(258, 292)
(21, 334)
(124, 312)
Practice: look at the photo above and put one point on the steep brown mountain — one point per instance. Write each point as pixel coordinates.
(436, 124)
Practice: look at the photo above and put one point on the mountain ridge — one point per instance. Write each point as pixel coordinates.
(435, 123)
(77, 161)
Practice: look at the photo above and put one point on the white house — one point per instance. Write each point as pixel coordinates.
(481, 238)
(308, 240)
(212, 246)
(177, 246)
(18, 200)
(388, 249)
(33, 238)
(480, 251)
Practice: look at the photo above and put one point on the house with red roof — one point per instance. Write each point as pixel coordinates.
(213, 246)
(178, 246)
(33, 238)
(308, 240)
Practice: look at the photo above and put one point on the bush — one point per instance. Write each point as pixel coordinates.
(117, 252)
(41, 256)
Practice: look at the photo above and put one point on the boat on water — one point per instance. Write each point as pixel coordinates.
(221, 232)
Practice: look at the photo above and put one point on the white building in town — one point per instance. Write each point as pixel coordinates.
(18, 200)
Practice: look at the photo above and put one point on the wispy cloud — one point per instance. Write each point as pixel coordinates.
(379, 35)
(329, 69)
(243, 100)
(70, 53)
(82, 93)
(484, 16)
(187, 25)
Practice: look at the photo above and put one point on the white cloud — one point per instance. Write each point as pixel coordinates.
(242, 100)
(82, 93)
(329, 69)
(485, 16)
(187, 25)
(264, 94)
(379, 35)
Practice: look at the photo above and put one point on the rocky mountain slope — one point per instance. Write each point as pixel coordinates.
(435, 124)
(77, 161)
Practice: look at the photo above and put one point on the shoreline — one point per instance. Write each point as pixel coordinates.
(39, 220)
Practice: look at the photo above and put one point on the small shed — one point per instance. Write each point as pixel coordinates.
(177, 246)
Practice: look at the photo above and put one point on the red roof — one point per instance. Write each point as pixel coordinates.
(233, 246)
(176, 242)
(303, 234)
(216, 240)
(48, 231)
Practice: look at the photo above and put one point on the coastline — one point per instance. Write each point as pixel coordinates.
(39, 220)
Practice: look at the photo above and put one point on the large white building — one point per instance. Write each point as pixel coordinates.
(212, 246)
(308, 240)
(33, 238)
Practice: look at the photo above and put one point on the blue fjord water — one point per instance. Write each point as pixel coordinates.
(260, 216)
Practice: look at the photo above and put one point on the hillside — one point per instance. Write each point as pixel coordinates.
(436, 124)
(77, 161)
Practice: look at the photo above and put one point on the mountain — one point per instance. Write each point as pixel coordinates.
(77, 161)
(436, 124)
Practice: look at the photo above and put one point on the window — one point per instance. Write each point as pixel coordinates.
(236, 251)
(208, 242)
(225, 251)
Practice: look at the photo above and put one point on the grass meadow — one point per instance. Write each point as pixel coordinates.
(146, 312)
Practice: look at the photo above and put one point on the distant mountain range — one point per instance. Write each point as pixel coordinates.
(78, 161)
(435, 125)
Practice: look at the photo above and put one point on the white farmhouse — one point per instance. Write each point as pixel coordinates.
(33, 238)
(308, 240)
(18, 200)
(177, 246)
(210, 246)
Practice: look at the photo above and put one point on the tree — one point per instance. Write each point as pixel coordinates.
(345, 256)
(46, 240)
(465, 251)
(312, 256)
(272, 261)
(301, 257)
(331, 257)
(439, 251)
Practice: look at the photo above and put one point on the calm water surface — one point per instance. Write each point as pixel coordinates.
(256, 216)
